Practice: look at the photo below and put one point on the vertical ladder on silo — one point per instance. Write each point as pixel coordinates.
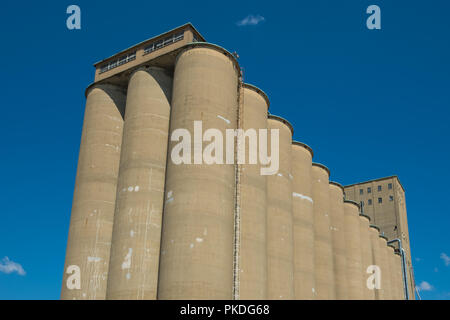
(237, 209)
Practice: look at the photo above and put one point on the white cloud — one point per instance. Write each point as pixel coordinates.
(425, 286)
(250, 20)
(446, 259)
(8, 266)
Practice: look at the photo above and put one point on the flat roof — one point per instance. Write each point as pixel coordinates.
(374, 180)
(152, 39)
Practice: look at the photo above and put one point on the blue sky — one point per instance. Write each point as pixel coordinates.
(371, 103)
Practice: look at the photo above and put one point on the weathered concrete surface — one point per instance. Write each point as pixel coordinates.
(384, 265)
(280, 264)
(253, 226)
(133, 269)
(337, 218)
(366, 254)
(353, 249)
(303, 222)
(374, 233)
(197, 237)
(91, 222)
(399, 277)
(391, 274)
(323, 250)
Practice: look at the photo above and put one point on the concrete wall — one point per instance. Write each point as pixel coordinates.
(337, 223)
(197, 237)
(377, 259)
(253, 192)
(323, 250)
(303, 221)
(392, 274)
(280, 264)
(91, 222)
(384, 265)
(399, 276)
(366, 255)
(353, 251)
(133, 270)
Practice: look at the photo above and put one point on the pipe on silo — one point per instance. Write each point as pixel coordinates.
(353, 249)
(404, 268)
(133, 268)
(337, 222)
(303, 221)
(323, 251)
(196, 259)
(253, 202)
(91, 222)
(366, 254)
(280, 264)
(384, 265)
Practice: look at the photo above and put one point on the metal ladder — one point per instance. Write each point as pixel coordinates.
(237, 206)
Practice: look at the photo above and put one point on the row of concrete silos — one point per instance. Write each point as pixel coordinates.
(144, 227)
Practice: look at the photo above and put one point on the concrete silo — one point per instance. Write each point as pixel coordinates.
(133, 268)
(353, 251)
(384, 265)
(91, 222)
(366, 254)
(337, 218)
(303, 221)
(323, 251)
(162, 209)
(253, 202)
(196, 259)
(399, 276)
(374, 233)
(280, 264)
(390, 252)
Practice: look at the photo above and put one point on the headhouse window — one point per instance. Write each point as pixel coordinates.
(164, 42)
(118, 62)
